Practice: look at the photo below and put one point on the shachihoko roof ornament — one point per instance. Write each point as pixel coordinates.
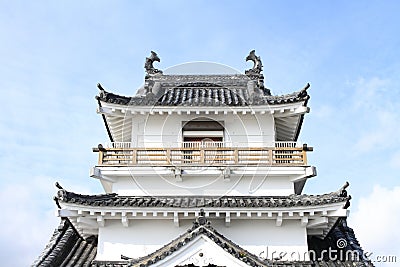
(257, 68)
(148, 65)
(255, 72)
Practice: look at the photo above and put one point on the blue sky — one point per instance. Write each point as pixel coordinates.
(53, 53)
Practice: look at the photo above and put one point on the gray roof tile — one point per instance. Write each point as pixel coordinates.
(114, 200)
(203, 94)
(67, 248)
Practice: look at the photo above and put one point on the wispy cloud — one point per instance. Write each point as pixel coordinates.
(375, 106)
(382, 132)
(376, 220)
(369, 93)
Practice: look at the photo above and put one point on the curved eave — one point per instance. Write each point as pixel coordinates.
(103, 116)
(287, 128)
(67, 248)
(319, 219)
(117, 123)
(219, 100)
(300, 123)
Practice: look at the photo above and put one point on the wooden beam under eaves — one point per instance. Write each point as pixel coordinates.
(317, 222)
(100, 221)
(279, 220)
(176, 219)
(125, 221)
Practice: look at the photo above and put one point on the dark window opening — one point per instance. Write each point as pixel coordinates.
(203, 133)
(199, 136)
(203, 125)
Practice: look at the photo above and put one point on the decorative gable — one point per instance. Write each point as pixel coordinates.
(201, 251)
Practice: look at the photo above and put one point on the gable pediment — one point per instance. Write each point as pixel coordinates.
(201, 251)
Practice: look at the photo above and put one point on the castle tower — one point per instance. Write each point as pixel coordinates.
(203, 170)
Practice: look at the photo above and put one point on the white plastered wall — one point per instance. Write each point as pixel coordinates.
(245, 129)
(212, 184)
(260, 237)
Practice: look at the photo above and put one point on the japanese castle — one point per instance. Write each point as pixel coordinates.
(203, 170)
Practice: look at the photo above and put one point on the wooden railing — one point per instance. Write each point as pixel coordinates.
(203, 156)
(279, 144)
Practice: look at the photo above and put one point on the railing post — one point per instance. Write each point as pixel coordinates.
(304, 157)
(168, 156)
(100, 157)
(202, 155)
(236, 155)
(271, 156)
(134, 156)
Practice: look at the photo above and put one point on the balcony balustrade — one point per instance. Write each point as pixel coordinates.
(203, 154)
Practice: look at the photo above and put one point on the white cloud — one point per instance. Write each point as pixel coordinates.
(368, 91)
(29, 217)
(28, 220)
(380, 133)
(376, 222)
(375, 112)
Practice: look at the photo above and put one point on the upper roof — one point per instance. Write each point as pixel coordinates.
(203, 93)
(203, 90)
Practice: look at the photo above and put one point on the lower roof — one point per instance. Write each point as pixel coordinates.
(114, 200)
(67, 248)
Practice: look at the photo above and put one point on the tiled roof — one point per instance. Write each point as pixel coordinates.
(114, 200)
(341, 231)
(67, 248)
(203, 94)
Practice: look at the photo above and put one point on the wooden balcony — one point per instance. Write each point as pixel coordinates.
(201, 154)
